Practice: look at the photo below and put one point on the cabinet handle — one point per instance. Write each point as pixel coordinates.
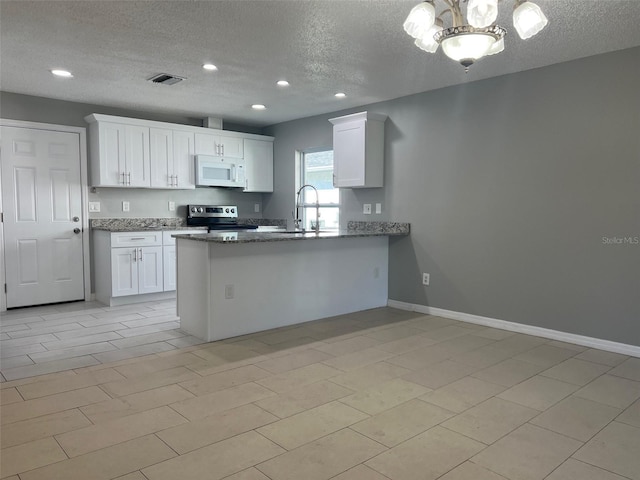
(129, 178)
(122, 180)
(223, 149)
(176, 179)
(135, 252)
(140, 250)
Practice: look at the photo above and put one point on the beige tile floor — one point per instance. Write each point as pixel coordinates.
(377, 395)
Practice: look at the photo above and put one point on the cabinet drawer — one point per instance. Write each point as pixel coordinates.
(136, 239)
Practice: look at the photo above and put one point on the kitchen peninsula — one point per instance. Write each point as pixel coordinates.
(235, 283)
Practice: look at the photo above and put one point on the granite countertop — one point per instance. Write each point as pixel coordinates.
(161, 224)
(354, 230)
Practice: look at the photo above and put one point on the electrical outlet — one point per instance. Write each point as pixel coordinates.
(125, 206)
(256, 207)
(172, 206)
(425, 279)
(94, 207)
(366, 209)
(229, 292)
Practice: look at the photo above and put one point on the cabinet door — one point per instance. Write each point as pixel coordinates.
(231, 147)
(206, 144)
(218, 145)
(349, 154)
(161, 157)
(183, 160)
(112, 162)
(150, 270)
(137, 156)
(258, 163)
(169, 267)
(124, 271)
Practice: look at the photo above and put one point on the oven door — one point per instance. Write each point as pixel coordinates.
(217, 172)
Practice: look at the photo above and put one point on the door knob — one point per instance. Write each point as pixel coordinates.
(76, 219)
(76, 231)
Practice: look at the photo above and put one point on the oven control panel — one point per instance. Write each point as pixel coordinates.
(212, 211)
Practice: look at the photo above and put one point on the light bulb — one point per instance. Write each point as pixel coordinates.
(428, 42)
(482, 13)
(528, 19)
(420, 19)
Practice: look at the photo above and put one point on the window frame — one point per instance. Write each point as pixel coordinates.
(300, 181)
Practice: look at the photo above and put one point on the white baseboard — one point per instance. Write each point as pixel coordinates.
(591, 342)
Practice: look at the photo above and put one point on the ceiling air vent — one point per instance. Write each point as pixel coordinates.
(166, 79)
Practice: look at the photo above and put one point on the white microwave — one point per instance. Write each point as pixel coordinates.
(219, 172)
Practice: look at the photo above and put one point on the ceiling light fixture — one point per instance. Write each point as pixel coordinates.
(61, 73)
(282, 83)
(340, 95)
(210, 66)
(479, 37)
(258, 106)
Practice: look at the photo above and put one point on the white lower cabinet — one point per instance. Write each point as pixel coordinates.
(169, 267)
(130, 266)
(136, 270)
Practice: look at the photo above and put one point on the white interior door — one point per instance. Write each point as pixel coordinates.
(41, 196)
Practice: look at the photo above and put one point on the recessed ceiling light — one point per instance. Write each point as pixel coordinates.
(258, 106)
(61, 73)
(210, 66)
(340, 95)
(282, 83)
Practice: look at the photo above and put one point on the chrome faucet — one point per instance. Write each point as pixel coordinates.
(297, 219)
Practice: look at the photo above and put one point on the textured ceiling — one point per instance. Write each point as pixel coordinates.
(320, 47)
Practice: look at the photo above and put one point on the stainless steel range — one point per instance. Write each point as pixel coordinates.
(215, 217)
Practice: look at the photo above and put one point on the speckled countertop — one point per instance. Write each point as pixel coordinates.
(174, 223)
(354, 230)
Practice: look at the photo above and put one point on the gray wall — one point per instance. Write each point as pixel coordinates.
(510, 185)
(143, 202)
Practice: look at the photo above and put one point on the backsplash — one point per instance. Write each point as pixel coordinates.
(379, 227)
(150, 203)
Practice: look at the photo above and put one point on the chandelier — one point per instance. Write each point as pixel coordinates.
(479, 36)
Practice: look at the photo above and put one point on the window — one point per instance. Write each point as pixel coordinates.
(316, 168)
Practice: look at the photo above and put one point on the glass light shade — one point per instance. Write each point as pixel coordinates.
(428, 42)
(528, 19)
(420, 19)
(497, 47)
(468, 46)
(482, 13)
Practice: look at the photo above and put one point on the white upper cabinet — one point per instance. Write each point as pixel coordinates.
(171, 158)
(129, 152)
(358, 150)
(258, 163)
(120, 155)
(183, 159)
(219, 145)
(161, 158)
